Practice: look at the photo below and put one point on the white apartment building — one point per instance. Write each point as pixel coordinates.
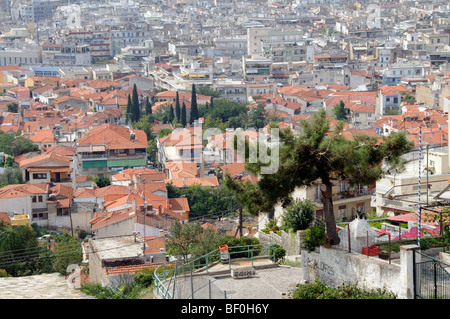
(256, 68)
(393, 74)
(235, 47)
(66, 54)
(17, 56)
(233, 90)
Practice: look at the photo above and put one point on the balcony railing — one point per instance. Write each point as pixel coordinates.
(346, 195)
(111, 155)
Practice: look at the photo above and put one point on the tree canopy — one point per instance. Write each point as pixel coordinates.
(15, 144)
(339, 111)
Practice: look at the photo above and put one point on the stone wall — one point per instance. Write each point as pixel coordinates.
(291, 242)
(334, 266)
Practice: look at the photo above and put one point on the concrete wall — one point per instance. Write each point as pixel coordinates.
(333, 267)
(289, 241)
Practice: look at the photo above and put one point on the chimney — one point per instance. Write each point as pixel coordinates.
(159, 209)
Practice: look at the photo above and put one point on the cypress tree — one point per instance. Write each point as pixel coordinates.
(177, 108)
(136, 111)
(129, 107)
(183, 115)
(194, 108)
(171, 114)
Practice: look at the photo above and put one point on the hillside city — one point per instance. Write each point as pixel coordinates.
(127, 129)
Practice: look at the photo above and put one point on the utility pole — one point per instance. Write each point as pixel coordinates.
(428, 187)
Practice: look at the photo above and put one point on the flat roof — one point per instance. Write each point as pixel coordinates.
(118, 247)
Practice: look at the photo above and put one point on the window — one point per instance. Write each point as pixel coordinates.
(40, 198)
(40, 176)
(342, 187)
(343, 211)
(33, 199)
(395, 99)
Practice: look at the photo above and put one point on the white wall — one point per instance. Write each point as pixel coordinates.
(333, 267)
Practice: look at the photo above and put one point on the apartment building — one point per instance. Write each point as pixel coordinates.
(233, 47)
(394, 73)
(389, 100)
(128, 35)
(397, 192)
(256, 68)
(18, 56)
(66, 54)
(109, 148)
(98, 40)
(233, 90)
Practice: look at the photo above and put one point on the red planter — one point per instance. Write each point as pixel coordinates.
(372, 250)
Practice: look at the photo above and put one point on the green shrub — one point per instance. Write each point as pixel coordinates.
(314, 237)
(3, 273)
(298, 215)
(271, 225)
(280, 252)
(345, 291)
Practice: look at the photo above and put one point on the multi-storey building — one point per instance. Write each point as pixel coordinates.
(17, 56)
(127, 36)
(66, 54)
(393, 74)
(98, 40)
(109, 148)
(257, 68)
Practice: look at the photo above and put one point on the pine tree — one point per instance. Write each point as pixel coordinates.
(314, 156)
(183, 115)
(178, 108)
(194, 107)
(135, 109)
(129, 109)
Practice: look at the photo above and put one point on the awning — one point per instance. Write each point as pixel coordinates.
(91, 148)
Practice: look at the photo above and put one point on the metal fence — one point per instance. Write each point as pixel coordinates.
(431, 277)
(189, 279)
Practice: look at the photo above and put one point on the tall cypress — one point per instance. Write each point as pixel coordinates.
(183, 115)
(136, 110)
(129, 108)
(171, 114)
(177, 108)
(194, 108)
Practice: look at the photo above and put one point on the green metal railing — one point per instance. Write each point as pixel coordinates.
(166, 273)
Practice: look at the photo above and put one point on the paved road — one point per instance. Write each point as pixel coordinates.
(47, 286)
(271, 283)
(267, 283)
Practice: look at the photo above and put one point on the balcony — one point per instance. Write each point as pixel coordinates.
(111, 155)
(346, 195)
